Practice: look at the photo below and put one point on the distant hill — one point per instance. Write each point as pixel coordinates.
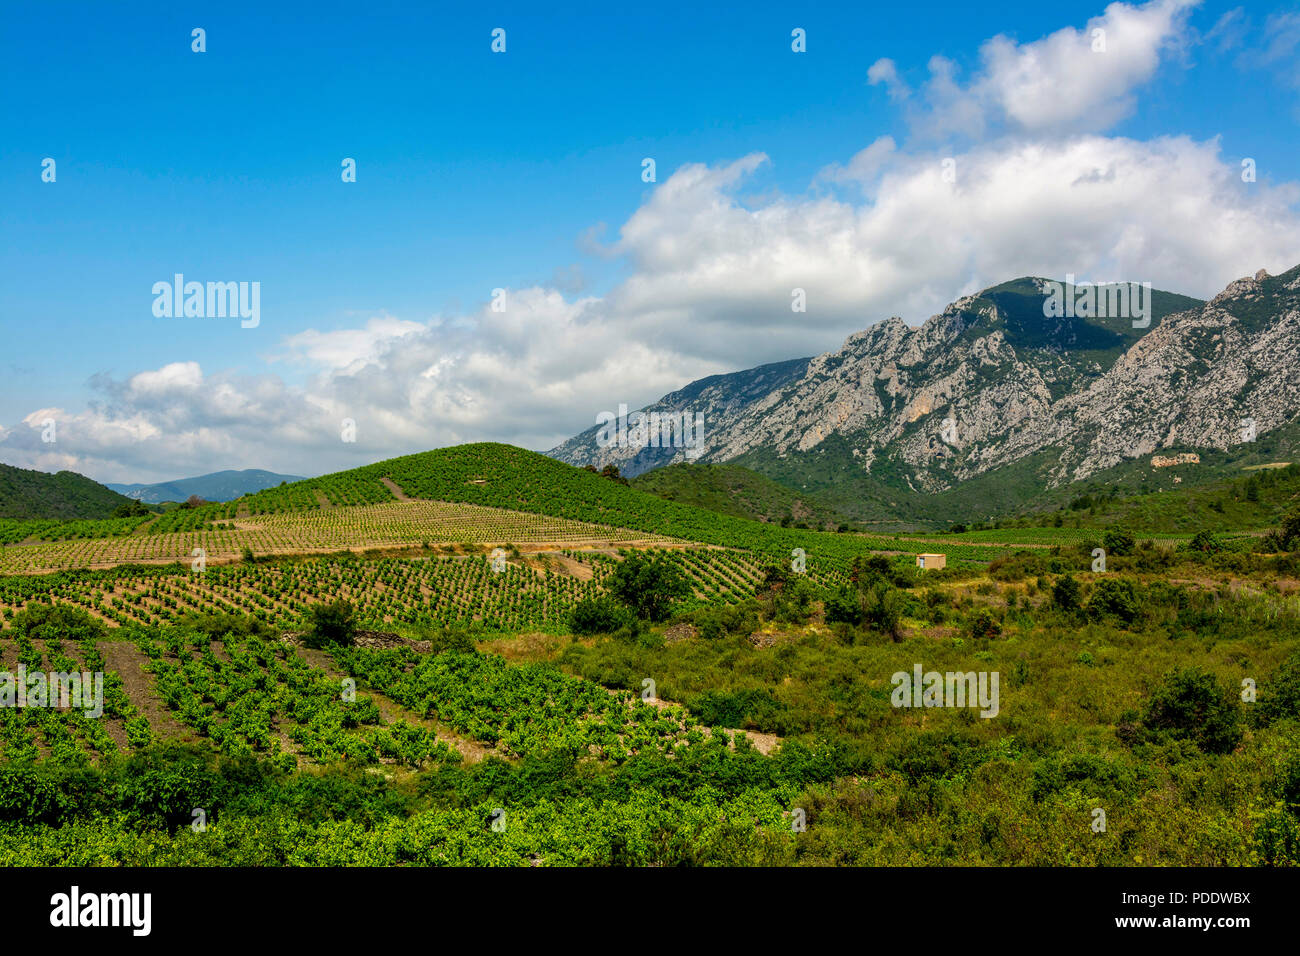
(38, 495)
(218, 486)
(733, 490)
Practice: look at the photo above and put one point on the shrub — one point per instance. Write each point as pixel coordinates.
(716, 622)
(597, 615)
(1192, 705)
(1066, 594)
(739, 709)
(792, 604)
(1114, 597)
(57, 622)
(449, 639)
(1281, 697)
(1118, 541)
(882, 608)
(332, 623)
(843, 607)
(1289, 532)
(983, 624)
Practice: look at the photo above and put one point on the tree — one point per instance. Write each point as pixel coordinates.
(882, 608)
(650, 586)
(332, 623)
(984, 624)
(131, 509)
(792, 604)
(1281, 697)
(843, 607)
(1290, 530)
(611, 472)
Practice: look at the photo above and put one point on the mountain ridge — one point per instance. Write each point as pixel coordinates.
(215, 486)
(992, 381)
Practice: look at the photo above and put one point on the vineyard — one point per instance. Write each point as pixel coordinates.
(536, 591)
(1039, 536)
(248, 691)
(476, 494)
(393, 525)
(503, 615)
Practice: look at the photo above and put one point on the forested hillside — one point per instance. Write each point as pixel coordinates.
(36, 495)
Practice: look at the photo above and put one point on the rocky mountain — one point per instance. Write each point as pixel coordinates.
(1075, 380)
(718, 398)
(218, 486)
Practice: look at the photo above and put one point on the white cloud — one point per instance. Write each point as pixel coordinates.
(347, 348)
(711, 269)
(1074, 80)
(885, 71)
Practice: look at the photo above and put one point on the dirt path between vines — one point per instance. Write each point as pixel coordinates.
(472, 751)
(128, 661)
(398, 493)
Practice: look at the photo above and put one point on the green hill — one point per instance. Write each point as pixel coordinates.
(733, 490)
(504, 476)
(37, 495)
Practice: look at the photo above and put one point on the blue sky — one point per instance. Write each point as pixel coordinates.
(522, 171)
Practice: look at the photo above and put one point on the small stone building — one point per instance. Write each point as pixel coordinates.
(931, 562)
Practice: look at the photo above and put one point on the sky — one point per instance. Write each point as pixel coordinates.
(505, 266)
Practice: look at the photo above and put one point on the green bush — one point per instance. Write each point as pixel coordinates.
(1281, 695)
(1066, 594)
(598, 615)
(882, 608)
(332, 623)
(742, 709)
(731, 619)
(1114, 598)
(1191, 704)
(57, 622)
(983, 624)
(1118, 541)
(843, 607)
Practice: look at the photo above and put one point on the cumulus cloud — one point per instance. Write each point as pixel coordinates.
(711, 268)
(1074, 80)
